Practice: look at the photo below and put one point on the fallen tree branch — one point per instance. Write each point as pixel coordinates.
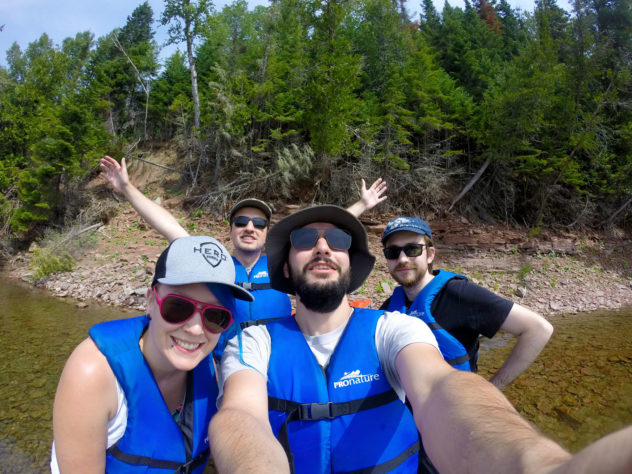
(470, 183)
(161, 166)
(610, 219)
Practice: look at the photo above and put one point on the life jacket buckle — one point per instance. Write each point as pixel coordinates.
(246, 285)
(316, 411)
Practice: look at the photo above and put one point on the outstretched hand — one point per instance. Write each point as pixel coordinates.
(374, 195)
(114, 174)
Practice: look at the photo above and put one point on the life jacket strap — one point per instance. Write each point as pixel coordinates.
(246, 285)
(320, 411)
(177, 467)
(435, 326)
(458, 360)
(256, 322)
(391, 463)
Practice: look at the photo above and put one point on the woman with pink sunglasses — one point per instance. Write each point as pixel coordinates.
(138, 394)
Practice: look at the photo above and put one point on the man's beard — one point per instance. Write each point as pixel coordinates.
(409, 280)
(321, 297)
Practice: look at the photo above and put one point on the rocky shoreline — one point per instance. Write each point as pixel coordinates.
(551, 274)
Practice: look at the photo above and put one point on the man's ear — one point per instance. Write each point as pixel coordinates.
(430, 254)
(286, 270)
(148, 300)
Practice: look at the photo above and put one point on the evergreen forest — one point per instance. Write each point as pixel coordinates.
(485, 111)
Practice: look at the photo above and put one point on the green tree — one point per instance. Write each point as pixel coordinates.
(187, 20)
(469, 50)
(383, 41)
(331, 100)
(49, 133)
(171, 107)
(119, 72)
(280, 97)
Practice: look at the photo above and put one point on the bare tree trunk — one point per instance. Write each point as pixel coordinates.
(610, 219)
(470, 183)
(194, 84)
(196, 109)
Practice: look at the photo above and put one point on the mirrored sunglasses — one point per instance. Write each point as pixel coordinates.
(242, 221)
(305, 238)
(177, 309)
(410, 250)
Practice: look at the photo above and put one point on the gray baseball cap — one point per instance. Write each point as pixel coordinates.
(278, 244)
(198, 259)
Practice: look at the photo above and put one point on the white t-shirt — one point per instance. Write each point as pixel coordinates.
(116, 427)
(394, 331)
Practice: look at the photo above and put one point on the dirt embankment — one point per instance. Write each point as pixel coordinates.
(550, 273)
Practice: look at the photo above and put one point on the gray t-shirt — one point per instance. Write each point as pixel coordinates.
(394, 331)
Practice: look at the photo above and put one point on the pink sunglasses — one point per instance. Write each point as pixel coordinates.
(177, 309)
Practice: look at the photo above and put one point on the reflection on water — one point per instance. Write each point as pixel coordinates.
(580, 388)
(37, 334)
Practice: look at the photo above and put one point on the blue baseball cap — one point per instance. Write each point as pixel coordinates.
(411, 224)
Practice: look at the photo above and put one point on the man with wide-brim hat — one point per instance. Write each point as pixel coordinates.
(323, 391)
(320, 254)
(278, 244)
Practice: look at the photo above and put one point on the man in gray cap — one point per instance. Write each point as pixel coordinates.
(459, 311)
(323, 391)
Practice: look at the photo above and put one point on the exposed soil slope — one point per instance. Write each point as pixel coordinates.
(550, 273)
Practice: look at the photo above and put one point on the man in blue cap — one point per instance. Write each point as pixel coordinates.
(456, 309)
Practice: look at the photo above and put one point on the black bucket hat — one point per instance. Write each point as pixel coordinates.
(278, 244)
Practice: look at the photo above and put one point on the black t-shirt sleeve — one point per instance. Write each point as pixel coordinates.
(463, 306)
(386, 303)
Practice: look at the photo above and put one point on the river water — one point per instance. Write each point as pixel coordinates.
(38, 334)
(579, 389)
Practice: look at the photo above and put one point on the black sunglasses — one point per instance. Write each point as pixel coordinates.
(304, 239)
(177, 309)
(258, 222)
(411, 250)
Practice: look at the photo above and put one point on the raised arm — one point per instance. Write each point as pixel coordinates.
(240, 435)
(85, 401)
(369, 198)
(466, 423)
(156, 216)
(533, 332)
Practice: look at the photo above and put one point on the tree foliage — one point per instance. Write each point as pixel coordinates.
(298, 99)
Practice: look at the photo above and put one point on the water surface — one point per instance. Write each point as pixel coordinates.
(579, 389)
(38, 334)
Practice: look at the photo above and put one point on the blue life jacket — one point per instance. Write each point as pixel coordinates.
(452, 350)
(152, 442)
(346, 418)
(268, 303)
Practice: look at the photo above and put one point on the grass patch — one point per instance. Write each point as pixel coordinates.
(44, 263)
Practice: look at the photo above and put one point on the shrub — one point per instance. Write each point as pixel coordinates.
(44, 263)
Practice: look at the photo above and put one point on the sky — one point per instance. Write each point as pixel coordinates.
(24, 21)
